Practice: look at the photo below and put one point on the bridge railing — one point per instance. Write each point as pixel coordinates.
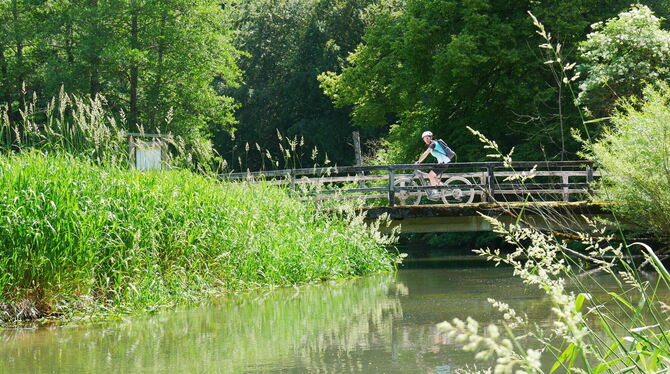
(396, 184)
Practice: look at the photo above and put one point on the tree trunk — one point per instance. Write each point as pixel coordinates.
(20, 68)
(156, 90)
(134, 72)
(6, 85)
(95, 60)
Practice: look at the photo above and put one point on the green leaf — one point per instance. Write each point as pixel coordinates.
(621, 300)
(567, 355)
(605, 365)
(579, 301)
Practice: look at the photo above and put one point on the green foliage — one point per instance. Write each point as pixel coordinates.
(623, 329)
(634, 158)
(447, 64)
(621, 56)
(141, 240)
(287, 44)
(147, 58)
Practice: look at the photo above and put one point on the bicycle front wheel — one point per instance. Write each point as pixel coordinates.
(462, 193)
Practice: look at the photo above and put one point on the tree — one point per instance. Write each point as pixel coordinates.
(621, 56)
(287, 44)
(149, 59)
(447, 64)
(17, 52)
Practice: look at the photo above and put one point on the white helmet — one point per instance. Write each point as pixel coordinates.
(426, 133)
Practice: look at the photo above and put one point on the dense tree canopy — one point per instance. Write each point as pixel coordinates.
(393, 68)
(288, 43)
(447, 64)
(147, 58)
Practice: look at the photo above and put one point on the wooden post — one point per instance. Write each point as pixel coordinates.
(357, 148)
(589, 178)
(391, 187)
(292, 181)
(589, 174)
(131, 152)
(359, 158)
(483, 182)
(564, 181)
(491, 182)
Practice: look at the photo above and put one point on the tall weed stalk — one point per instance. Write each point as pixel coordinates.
(622, 329)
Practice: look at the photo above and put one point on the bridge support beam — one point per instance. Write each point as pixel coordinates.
(468, 218)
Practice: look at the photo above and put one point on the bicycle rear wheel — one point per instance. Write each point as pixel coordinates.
(407, 197)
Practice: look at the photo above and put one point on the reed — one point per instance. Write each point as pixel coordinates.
(80, 237)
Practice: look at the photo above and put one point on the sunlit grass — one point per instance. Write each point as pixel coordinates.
(76, 236)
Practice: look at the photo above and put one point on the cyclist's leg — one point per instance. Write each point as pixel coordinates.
(437, 174)
(433, 178)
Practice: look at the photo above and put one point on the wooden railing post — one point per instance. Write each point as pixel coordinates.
(491, 182)
(565, 181)
(483, 180)
(589, 178)
(291, 175)
(589, 174)
(359, 159)
(391, 187)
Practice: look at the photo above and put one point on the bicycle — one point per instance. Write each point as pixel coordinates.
(457, 195)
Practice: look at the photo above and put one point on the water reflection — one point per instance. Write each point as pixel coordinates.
(383, 324)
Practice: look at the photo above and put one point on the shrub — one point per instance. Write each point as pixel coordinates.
(620, 56)
(634, 158)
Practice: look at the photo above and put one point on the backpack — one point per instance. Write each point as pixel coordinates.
(449, 152)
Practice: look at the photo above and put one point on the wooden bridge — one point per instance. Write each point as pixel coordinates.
(540, 189)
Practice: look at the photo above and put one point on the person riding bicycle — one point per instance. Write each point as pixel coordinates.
(438, 151)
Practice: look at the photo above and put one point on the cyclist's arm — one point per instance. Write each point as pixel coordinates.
(423, 156)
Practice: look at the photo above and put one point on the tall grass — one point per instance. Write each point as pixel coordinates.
(66, 124)
(75, 235)
(87, 128)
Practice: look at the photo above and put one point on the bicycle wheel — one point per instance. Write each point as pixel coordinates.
(406, 197)
(462, 194)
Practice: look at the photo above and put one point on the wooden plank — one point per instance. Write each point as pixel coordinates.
(472, 175)
(454, 165)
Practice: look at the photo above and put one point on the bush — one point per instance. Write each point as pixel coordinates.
(634, 157)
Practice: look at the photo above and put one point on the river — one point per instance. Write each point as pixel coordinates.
(380, 324)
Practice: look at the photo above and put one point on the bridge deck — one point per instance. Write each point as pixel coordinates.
(468, 217)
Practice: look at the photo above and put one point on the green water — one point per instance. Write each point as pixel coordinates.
(382, 324)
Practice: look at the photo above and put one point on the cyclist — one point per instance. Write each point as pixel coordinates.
(435, 149)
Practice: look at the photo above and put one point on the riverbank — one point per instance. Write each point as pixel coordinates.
(76, 238)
